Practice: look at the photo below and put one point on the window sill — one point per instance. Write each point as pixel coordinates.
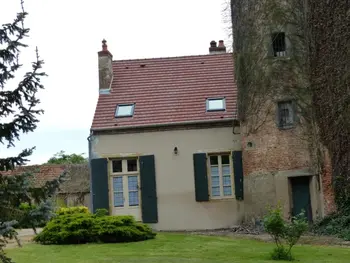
(123, 207)
(286, 127)
(227, 198)
(276, 59)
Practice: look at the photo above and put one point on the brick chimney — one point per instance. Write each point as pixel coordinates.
(105, 68)
(213, 49)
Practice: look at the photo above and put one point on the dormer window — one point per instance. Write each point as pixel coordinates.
(124, 110)
(216, 104)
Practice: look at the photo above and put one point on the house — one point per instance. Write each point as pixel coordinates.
(166, 145)
(73, 191)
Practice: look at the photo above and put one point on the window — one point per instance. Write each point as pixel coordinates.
(217, 104)
(220, 178)
(124, 110)
(118, 191)
(279, 44)
(125, 178)
(285, 114)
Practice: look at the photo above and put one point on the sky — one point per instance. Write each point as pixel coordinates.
(68, 34)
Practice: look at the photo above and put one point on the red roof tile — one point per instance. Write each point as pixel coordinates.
(40, 173)
(168, 90)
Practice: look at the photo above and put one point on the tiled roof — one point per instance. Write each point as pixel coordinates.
(41, 173)
(168, 91)
(76, 180)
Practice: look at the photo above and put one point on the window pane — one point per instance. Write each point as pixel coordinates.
(214, 171)
(226, 180)
(225, 159)
(286, 113)
(227, 190)
(214, 160)
(226, 170)
(118, 184)
(117, 166)
(124, 110)
(132, 165)
(215, 191)
(133, 198)
(215, 181)
(118, 200)
(216, 104)
(132, 183)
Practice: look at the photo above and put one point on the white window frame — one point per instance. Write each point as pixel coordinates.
(222, 196)
(124, 174)
(125, 105)
(223, 99)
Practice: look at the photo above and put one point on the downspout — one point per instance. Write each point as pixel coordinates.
(90, 156)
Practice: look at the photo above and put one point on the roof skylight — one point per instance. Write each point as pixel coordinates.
(125, 110)
(216, 104)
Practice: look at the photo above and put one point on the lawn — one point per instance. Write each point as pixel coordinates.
(174, 248)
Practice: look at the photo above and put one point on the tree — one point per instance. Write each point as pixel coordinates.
(19, 114)
(62, 158)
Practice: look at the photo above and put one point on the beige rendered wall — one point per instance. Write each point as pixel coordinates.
(177, 207)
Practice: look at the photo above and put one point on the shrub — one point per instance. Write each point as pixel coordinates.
(336, 224)
(72, 210)
(77, 228)
(32, 216)
(284, 233)
(101, 212)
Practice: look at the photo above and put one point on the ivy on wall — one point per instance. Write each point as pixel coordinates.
(316, 72)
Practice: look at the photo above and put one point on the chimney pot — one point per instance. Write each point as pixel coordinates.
(213, 49)
(104, 45)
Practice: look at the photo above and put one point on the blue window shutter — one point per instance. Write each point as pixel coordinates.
(99, 184)
(238, 170)
(200, 177)
(149, 204)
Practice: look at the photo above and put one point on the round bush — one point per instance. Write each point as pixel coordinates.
(79, 228)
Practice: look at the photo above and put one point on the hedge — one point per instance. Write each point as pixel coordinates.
(78, 226)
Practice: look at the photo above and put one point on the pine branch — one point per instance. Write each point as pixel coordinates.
(24, 98)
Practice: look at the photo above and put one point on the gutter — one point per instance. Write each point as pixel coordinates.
(169, 124)
(90, 156)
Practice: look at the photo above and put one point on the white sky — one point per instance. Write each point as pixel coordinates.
(68, 34)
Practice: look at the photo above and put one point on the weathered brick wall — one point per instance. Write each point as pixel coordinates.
(328, 193)
(270, 150)
(274, 149)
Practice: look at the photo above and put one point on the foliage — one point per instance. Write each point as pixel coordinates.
(101, 212)
(18, 114)
(62, 158)
(34, 215)
(336, 224)
(328, 22)
(74, 227)
(72, 210)
(281, 230)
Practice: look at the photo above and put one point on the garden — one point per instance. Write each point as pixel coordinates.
(74, 235)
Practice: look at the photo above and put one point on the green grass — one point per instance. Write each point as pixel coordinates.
(173, 248)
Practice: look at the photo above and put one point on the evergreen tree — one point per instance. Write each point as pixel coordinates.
(18, 114)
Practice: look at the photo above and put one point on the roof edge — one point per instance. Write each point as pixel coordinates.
(172, 57)
(162, 124)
